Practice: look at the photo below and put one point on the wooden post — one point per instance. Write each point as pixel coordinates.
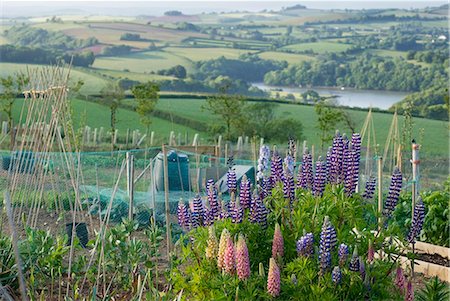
(195, 140)
(380, 191)
(218, 155)
(166, 198)
(415, 174)
(115, 134)
(152, 137)
(128, 137)
(100, 135)
(130, 183)
(95, 136)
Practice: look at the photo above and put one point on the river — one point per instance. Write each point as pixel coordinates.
(349, 97)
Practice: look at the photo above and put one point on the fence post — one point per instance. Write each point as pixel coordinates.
(415, 173)
(152, 136)
(128, 137)
(130, 183)
(380, 191)
(95, 136)
(166, 199)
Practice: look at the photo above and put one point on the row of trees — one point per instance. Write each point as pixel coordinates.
(365, 72)
(31, 55)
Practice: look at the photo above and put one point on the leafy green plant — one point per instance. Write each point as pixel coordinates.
(434, 290)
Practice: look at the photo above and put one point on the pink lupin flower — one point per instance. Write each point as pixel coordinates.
(229, 258)
(242, 259)
(409, 292)
(273, 279)
(222, 246)
(370, 253)
(278, 243)
(400, 280)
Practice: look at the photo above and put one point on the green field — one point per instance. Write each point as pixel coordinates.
(435, 133)
(201, 54)
(141, 62)
(291, 58)
(318, 47)
(97, 115)
(388, 53)
(92, 83)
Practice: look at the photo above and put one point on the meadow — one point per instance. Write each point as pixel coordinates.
(318, 47)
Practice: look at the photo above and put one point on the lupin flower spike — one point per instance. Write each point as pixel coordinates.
(417, 221)
(400, 280)
(394, 192)
(370, 253)
(327, 243)
(183, 216)
(278, 243)
(211, 248)
(336, 275)
(409, 296)
(273, 279)
(354, 262)
(229, 258)
(222, 247)
(263, 162)
(343, 254)
(370, 188)
(305, 245)
(242, 259)
(362, 268)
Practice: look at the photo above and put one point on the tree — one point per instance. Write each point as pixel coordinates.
(12, 86)
(112, 95)
(147, 97)
(327, 120)
(229, 108)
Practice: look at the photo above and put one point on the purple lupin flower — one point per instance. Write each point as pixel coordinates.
(265, 188)
(263, 163)
(225, 210)
(354, 262)
(327, 242)
(197, 212)
(288, 179)
(346, 159)
(336, 275)
(245, 193)
(319, 177)
(237, 213)
(356, 146)
(212, 199)
(336, 158)
(258, 212)
(305, 245)
(307, 171)
(409, 296)
(343, 254)
(369, 191)
(209, 185)
(208, 218)
(231, 181)
(183, 216)
(394, 192)
(400, 280)
(417, 221)
(276, 169)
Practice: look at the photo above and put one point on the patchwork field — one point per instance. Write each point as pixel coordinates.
(141, 62)
(291, 58)
(199, 54)
(318, 47)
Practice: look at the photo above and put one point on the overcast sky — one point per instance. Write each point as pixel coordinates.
(133, 8)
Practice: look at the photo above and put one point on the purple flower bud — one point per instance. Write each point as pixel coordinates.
(225, 210)
(183, 216)
(212, 199)
(276, 169)
(306, 181)
(328, 165)
(370, 188)
(327, 243)
(265, 188)
(336, 275)
(289, 187)
(197, 212)
(336, 158)
(258, 212)
(354, 262)
(343, 254)
(417, 221)
(245, 192)
(394, 192)
(208, 218)
(289, 165)
(305, 245)
(237, 213)
(319, 178)
(409, 292)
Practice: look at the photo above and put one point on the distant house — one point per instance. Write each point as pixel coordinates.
(442, 38)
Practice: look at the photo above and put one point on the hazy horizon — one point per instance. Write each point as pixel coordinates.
(14, 9)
